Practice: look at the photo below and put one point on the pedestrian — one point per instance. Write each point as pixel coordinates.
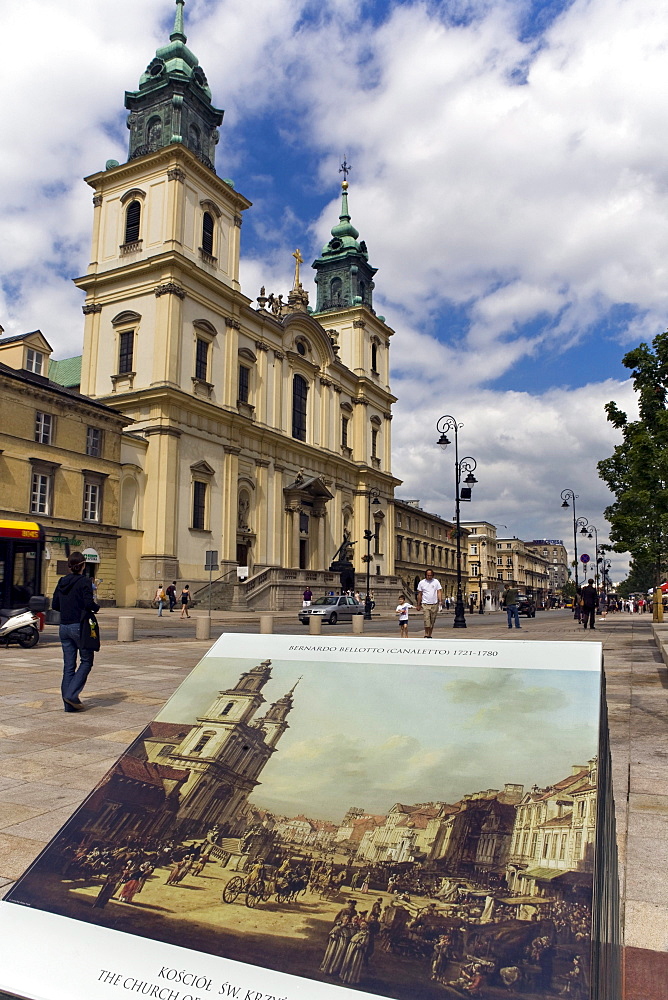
(589, 606)
(171, 596)
(429, 598)
(403, 607)
(447, 604)
(73, 597)
(307, 597)
(185, 601)
(509, 599)
(603, 604)
(160, 598)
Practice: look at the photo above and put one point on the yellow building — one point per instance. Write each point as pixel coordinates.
(519, 564)
(484, 584)
(59, 463)
(426, 541)
(258, 428)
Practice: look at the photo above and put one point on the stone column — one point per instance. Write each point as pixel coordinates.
(230, 497)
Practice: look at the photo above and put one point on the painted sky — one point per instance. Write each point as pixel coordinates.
(509, 177)
(370, 735)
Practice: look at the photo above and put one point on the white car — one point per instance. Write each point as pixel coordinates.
(333, 609)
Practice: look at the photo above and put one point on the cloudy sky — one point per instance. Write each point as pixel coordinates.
(509, 177)
(356, 739)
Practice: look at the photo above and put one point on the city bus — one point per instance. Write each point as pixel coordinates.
(21, 554)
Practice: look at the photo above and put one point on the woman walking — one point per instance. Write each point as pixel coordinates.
(73, 597)
(185, 601)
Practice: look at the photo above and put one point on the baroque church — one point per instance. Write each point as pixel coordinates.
(260, 427)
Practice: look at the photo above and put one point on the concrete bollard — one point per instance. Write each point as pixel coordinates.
(202, 627)
(315, 625)
(126, 629)
(358, 624)
(266, 624)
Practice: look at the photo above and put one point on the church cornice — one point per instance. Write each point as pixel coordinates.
(171, 157)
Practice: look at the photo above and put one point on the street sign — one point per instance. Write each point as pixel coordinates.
(584, 558)
(211, 560)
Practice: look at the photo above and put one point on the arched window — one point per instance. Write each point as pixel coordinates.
(374, 358)
(299, 395)
(132, 222)
(194, 139)
(336, 291)
(154, 134)
(207, 233)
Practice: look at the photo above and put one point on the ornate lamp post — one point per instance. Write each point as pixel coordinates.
(371, 500)
(588, 532)
(579, 522)
(467, 465)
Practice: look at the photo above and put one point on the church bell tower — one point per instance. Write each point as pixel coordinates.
(173, 102)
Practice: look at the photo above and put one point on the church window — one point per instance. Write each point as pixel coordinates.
(126, 351)
(362, 290)
(228, 708)
(202, 360)
(244, 384)
(132, 222)
(374, 358)
(154, 134)
(336, 291)
(195, 141)
(299, 396)
(344, 432)
(201, 743)
(207, 233)
(374, 443)
(199, 505)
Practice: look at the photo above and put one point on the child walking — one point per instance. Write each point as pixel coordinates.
(403, 608)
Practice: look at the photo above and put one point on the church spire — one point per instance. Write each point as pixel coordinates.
(344, 277)
(178, 33)
(173, 101)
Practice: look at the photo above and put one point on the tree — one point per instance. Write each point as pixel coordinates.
(637, 470)
(640, 579)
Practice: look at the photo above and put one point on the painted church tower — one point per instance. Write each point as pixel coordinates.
(226, 751)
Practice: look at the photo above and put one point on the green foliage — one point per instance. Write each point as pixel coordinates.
(637, 470)
(640, 579)
(568, 589)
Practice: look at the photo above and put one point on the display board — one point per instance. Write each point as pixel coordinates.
(313, 818)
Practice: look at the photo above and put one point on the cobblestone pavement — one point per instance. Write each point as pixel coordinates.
(50, 760)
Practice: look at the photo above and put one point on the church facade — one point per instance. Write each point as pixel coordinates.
(259, 428)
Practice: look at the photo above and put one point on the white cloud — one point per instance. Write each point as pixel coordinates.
(543, 202)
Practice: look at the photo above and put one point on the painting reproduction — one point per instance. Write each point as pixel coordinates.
(403, 820)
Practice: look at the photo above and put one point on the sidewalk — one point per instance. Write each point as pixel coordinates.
(49, 760)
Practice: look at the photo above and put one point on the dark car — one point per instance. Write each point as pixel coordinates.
(333, 609)
(526, 606)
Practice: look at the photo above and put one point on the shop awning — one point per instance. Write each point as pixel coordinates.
(543, 874)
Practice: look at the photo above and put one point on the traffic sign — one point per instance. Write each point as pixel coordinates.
(211, 560)
(584, 558)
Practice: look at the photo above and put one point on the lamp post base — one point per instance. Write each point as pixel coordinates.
(460, 617)
(368, 603)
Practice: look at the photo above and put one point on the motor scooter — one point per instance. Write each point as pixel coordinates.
(21, 626)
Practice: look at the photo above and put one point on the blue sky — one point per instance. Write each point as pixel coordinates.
(509, 177)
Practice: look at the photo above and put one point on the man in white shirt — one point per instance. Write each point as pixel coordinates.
(429, 597)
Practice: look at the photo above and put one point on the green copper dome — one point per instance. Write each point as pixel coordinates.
(173, 102)
(344, 277)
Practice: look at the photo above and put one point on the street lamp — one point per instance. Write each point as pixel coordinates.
(372, 500)
(467, 465)
(588, 532)
(567, 495)
(483, 545)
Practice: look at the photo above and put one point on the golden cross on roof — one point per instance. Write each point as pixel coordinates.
(298, 260)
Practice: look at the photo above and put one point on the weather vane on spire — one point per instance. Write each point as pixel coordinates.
(345, 169)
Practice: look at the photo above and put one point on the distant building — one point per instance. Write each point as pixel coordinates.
(554, 551)
(520, 565)
(483, 582)
(426, 541)
(475, 834)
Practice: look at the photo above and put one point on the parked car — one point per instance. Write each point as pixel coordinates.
(333, 609)
(526, 606)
